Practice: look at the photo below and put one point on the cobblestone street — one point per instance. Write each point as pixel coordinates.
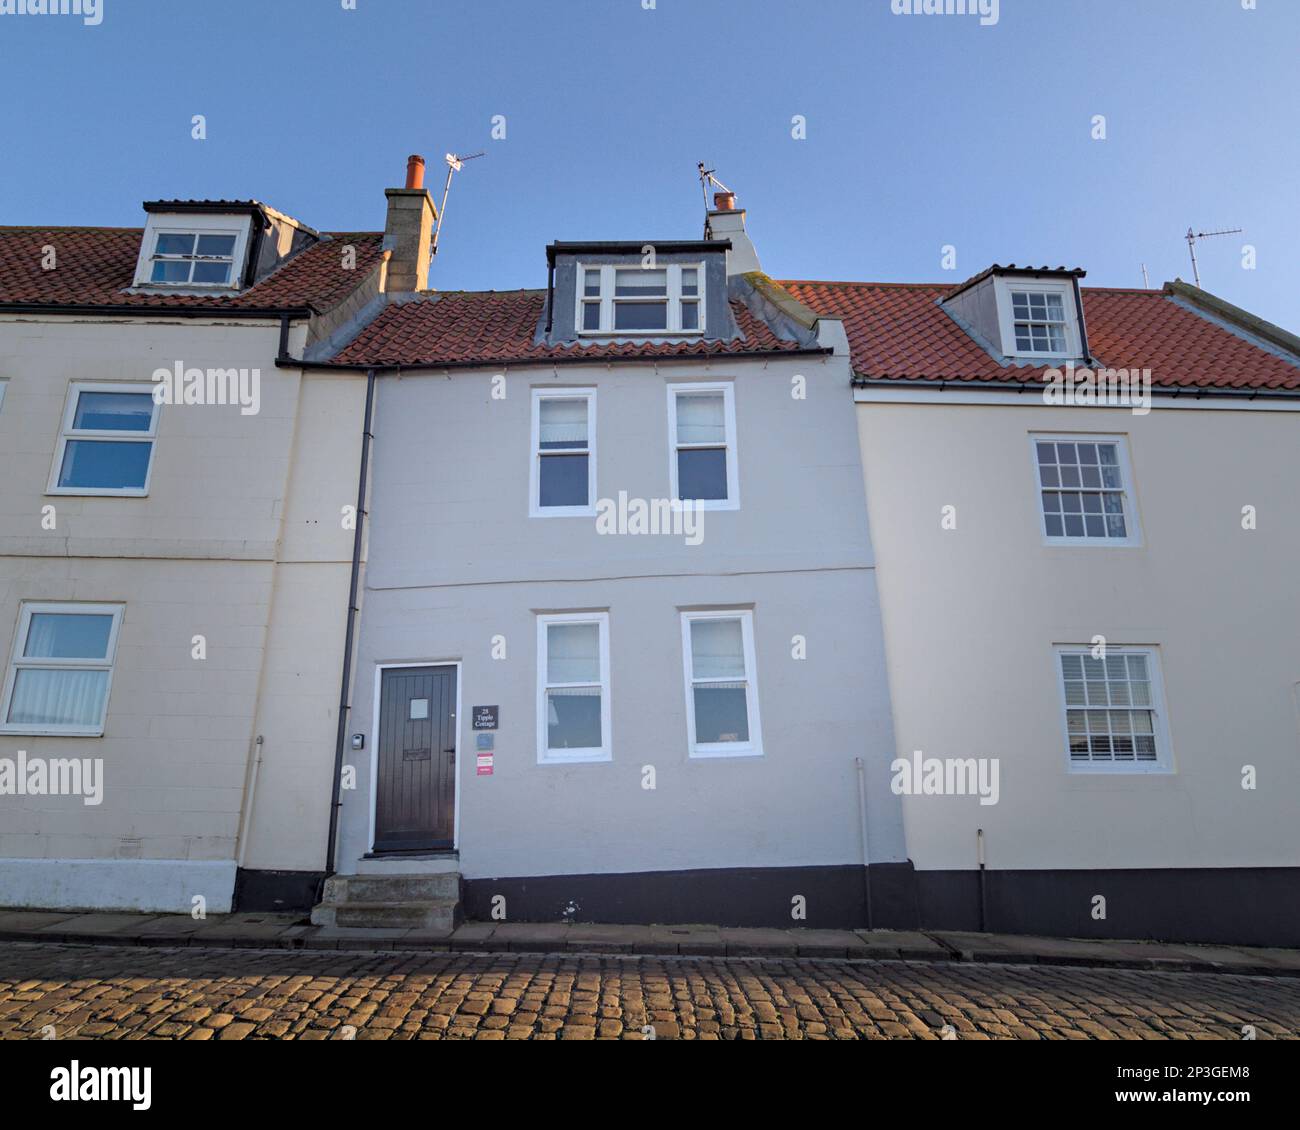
(103, 992)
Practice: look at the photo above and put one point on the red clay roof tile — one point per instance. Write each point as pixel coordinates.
(899, 331)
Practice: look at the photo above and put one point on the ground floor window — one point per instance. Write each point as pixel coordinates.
(573, 687)
(721, 694)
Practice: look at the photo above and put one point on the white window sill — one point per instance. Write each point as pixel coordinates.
(97, 492)
(1103, 769)
(728, 750)
(51, 731)
(562, 512)
(574, 757)
(1113, 543)
(706, 504)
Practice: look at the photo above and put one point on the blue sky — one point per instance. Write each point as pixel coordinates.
(922, 131)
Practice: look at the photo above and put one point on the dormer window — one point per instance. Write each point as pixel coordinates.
(193, 259)
(1037, 316)
(193, 251)
(1039, 321)
(665, 300)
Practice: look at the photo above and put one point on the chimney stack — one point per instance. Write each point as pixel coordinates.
(408, 232)
(725, 221)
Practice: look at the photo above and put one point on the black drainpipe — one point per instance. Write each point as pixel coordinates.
(550, 297)
(344, 688)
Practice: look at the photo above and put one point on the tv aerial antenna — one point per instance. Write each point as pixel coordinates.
(1192, 237)
(707, 178)
(454, 165)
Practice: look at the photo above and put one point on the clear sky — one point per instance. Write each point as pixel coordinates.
(922, 131)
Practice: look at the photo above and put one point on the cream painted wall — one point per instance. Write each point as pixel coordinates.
(971, 616)
(240, 540)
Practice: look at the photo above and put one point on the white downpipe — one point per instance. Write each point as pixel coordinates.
(247, 819)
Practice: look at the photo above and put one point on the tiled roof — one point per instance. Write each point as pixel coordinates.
(899, 331)
(95, 266)
(497, 326)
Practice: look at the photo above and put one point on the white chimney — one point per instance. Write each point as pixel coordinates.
(725, 221)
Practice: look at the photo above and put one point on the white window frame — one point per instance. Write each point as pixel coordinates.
(753, 747)
(535, 508)
(1164, 762)
(67, 432)
(607, 301)
(1002, 288)
(17, 663)
(181, 223)
(546, 755)
(728, 390)
(1131, 523)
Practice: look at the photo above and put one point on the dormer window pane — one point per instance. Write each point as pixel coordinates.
(591, 284)
(690, 315)
(591, 316)
(193, 258)
(690, 282)
(641, 316)
(1039, 321)
(640, 284)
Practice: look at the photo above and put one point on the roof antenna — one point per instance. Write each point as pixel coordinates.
(1146, 282)
(454, 165)
(1192, 237)
(707, 178)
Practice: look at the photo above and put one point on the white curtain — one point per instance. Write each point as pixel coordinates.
(717, 649)
(563, 420)
(573, 653)
(700, 418)
(65, 697)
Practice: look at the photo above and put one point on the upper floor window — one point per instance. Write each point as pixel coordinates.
(1039, 321)
(1084, 490)
(562, 478)
(1114, 714)
(1037, 317)
(702, 435)
(668, 299)
(107, 440)
(185, 250)
(192, 259)
(62, 664)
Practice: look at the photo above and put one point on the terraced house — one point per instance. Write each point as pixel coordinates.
(663, 592)
(174, 561)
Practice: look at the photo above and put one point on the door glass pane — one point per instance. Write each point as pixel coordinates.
(562, 480)
(68, 635)
(702, 473)
(717, 649)
(562, 423)
(58, 698)
(721, 714)
(113, 412)
(641, 315)
(573, 653)
(573, 718)
(104, 464)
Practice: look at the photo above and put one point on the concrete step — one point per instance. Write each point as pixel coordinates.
(435, 914)
(391, 888)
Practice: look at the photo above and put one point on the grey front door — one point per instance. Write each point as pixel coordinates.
(415, 797)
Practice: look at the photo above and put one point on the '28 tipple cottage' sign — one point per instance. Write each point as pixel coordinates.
(485, 717)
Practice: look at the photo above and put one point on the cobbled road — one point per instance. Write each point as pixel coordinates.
(102, 992)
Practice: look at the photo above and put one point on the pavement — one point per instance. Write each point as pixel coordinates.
(291, 931)
(51, 990)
